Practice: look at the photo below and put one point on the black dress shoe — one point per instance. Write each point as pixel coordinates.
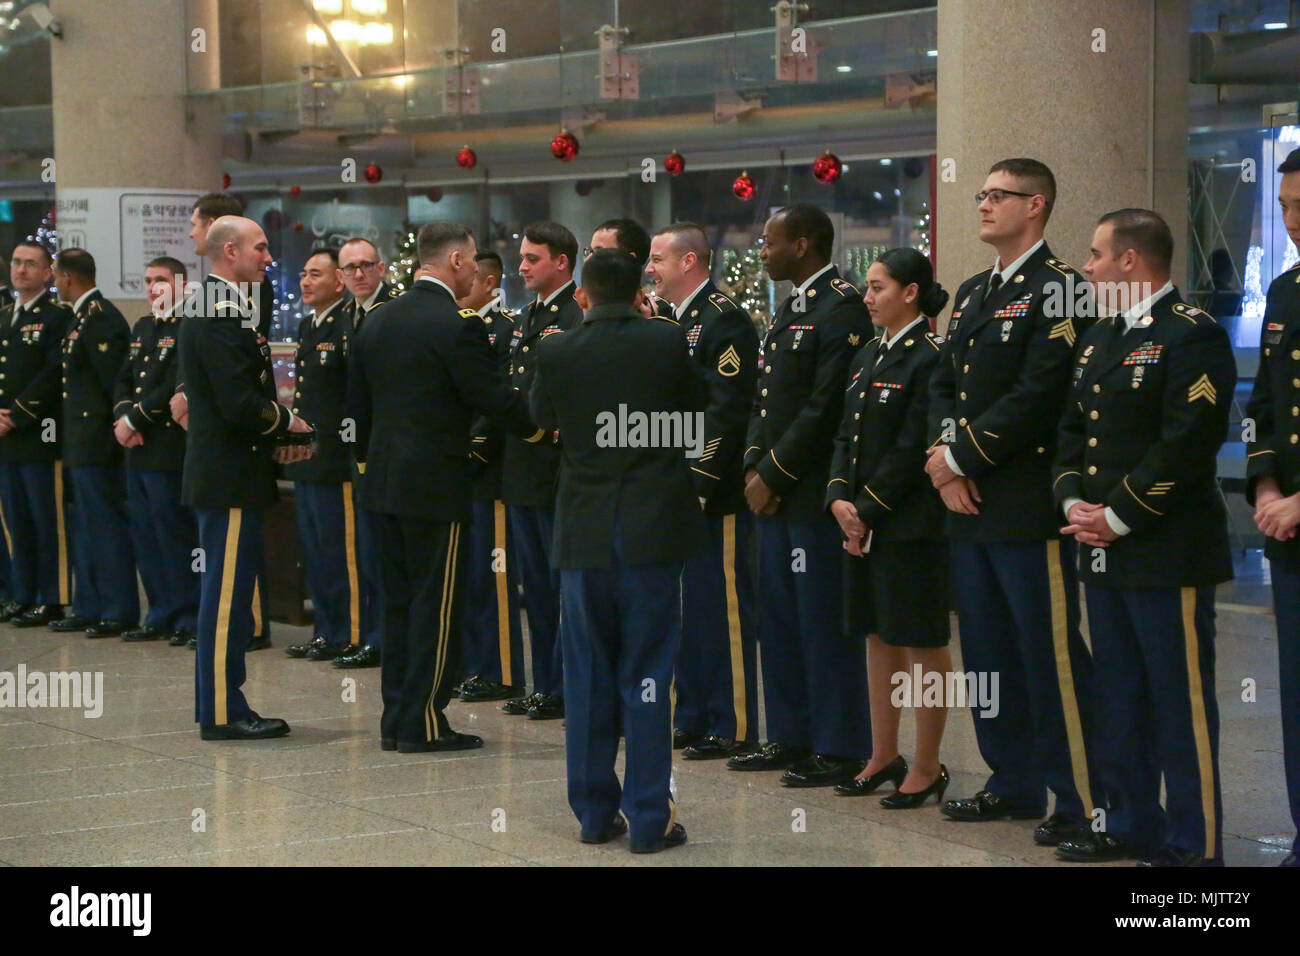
(476, 689)
(822, 771)
(301, 650)
(255, 728)
(448, 741)
(69, 625)
(180, 637)
(145, 633)
(518, 706)
(258, 644)
(328, 652)
(770, 756)
(39, 616)
(616, 828)
(910, 801)
(547, 707)
(1169, 857)
(1092, 847)
(894, 772)
(713, 747)
(986, 805)
(11, 609)
(363, 656)
(387, 743)
(1292, 859)
(193, 642)
(675, 836)
(684, 738)
(1059, 827)
(109, 628)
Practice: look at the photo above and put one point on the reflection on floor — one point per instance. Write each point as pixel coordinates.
(137, 786)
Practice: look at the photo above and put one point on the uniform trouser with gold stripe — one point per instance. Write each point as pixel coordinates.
(716, 676)
(1153, 654)
(34, 516)
(1018, 615)
(327, 528)
(231, 542)
(422, 567)
(164, 535)
(494, 643)
(1286, 604)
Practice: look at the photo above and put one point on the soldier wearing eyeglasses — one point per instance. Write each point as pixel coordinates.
(996, 398)
(362, 269)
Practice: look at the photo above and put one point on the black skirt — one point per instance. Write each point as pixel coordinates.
(899, 591)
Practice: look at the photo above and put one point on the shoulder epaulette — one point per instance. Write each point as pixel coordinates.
(844, 287)
(468, 313)
(665, 318)
(1192, 314)
(1061, 266)
(227, 304)
(721, 302)
(93, 306)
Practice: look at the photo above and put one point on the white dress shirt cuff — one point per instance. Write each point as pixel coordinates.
(952, 462)
(1119, 527)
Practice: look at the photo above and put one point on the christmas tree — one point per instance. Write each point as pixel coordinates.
(401, 271)
(46, 234)
(745, 280)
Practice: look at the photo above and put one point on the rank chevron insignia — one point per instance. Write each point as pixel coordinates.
(729, 362)
(1202, 388)
(1063, 330)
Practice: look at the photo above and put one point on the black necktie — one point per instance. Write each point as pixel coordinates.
(995, 283)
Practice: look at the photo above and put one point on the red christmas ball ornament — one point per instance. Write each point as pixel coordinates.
(743, 187)
(466, 158)
(295, 190)
(827, 168)
(297, 227)
(674, 163)
(565, 146)
(225, 180)
(374, 173)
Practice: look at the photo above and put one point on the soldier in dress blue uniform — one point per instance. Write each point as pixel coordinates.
(235, 426)
(323, 489)
(362, 269)
(716, 713)
(995, 401)
(626, 518)
(106, 598)
(208, 209)
(163, 531)
(895, 572)
(1273, 476)
(1135, 480)
(493, 654)
(32, 327)
(814, 678)
(547, 252)
(418, 373)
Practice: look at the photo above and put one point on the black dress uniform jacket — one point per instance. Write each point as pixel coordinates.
(144, 390)
(29, 377)
(1274, 405)
(528, 476)
(320, 390)
(618, 360)
(721, 338)
(1147, 413)
(805, 362)
(235, 420)
(386, 294)
(999, 390)
(879, 462)
(489, 439)
(417, 380)
(94, 350)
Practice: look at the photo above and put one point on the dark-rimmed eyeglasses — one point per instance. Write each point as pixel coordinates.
(996, 196)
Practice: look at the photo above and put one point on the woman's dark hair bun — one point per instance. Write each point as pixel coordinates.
(907, 266)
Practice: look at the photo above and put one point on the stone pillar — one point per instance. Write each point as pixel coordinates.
(121, 119)
(1097, 91)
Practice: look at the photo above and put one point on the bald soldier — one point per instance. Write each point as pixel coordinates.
(237, 434)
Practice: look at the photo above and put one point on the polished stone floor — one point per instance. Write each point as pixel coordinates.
(136, 785)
